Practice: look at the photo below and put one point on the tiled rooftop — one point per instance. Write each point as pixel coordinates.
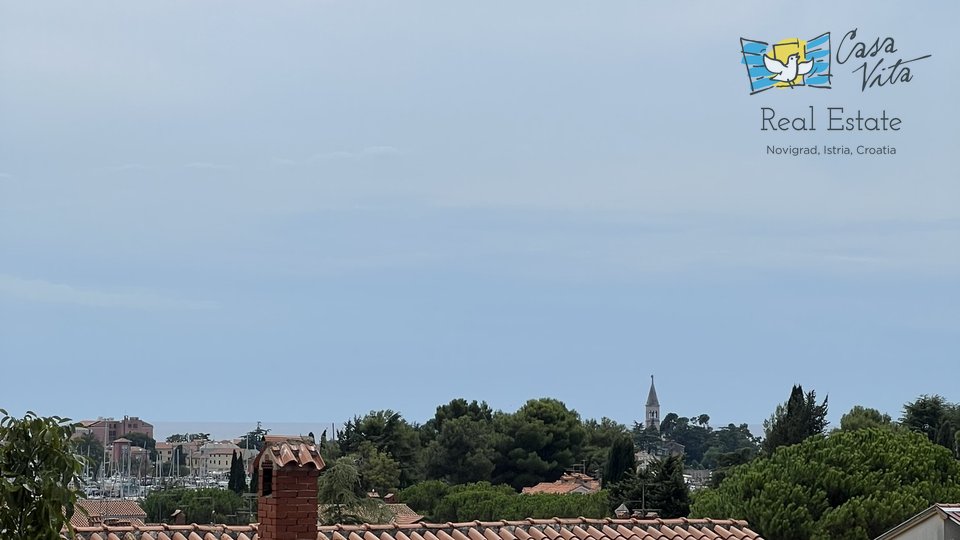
(403, 514)
(568, 483)
(90, 512)
(530, 529)
(399, 513)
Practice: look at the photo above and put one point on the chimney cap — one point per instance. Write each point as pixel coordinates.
(296, 453)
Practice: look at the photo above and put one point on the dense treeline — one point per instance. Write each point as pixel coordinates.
(468, 442)
(441, 502)
(469, 462)
(205, 505)
(851, 485)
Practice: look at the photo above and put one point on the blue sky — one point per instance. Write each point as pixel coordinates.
(234, 211)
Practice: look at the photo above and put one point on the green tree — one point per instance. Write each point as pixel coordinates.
(635, 490)
(670, 493)
(91, 449)
(481, 500)
(925, 415)
(730, 444)
(238, 476)
(861, 417)
(456, 408)
(254, 438)
(204, 505)
(852, 485)
(646, 439)
(142, 440)
(378, 471)
(188, 437)
(734, 437)
(702, 444)
(934, 417)
(537, 443)
(543, 505)
(725, 462)
(659, 486)
(486, 502)
(621, 458)
(231, 477)
(694, 433)
(339, 489)
(461, 442)
(389, 433)
(329, 448)
(39, 476)
(424, 497)
(599, 437)
(792, 422)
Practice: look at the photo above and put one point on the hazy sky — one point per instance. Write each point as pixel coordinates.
(300, 211)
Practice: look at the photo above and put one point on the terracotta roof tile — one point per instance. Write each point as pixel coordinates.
(90, 512)
(561, 529)
(568, 483)
(488, 534)
(403, 514)
(298, 452)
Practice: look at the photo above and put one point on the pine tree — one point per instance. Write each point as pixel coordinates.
(620, 459)
(670, 493)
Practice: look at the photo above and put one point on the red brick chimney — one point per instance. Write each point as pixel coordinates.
(287, 490)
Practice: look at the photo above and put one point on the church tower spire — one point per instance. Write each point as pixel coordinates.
(653, 408)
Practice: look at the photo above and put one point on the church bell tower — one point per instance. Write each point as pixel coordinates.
(653, 408)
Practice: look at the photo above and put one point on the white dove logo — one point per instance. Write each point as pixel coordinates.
(788, 72)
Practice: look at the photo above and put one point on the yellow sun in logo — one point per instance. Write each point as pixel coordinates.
(782, 50)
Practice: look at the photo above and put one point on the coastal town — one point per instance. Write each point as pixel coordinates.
(477, 471)
(497, 270)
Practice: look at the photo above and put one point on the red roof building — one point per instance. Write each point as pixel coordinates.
(568, 483)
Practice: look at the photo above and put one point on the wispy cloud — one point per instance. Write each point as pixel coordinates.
(5, 176)
(206, 165)
(368, 152)
(37, 290)
(121, 168)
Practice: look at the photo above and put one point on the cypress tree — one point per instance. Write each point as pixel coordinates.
(238, 480)
(800, 417)
(232, 483)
